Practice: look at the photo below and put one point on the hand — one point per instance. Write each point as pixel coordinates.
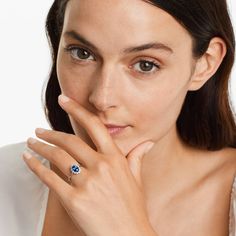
(106, 197)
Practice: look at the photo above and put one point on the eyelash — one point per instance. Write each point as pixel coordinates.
(70, 50)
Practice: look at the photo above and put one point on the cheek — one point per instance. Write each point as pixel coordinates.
(160, 109)
(73, 83)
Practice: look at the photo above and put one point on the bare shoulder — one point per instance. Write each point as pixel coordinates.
(229, 157)
(220, 164)
(222, 157)
(226, 159)
(221, 169)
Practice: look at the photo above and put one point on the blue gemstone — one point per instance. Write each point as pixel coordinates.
(75, 169)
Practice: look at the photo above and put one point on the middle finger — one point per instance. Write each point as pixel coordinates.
(62, 160)
(72, 144)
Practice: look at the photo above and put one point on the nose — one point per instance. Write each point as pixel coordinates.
(104, 90)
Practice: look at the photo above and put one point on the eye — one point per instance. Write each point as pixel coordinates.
(146, 67)
(79, 54)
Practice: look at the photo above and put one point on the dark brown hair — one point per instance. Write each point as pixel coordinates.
(206, 120)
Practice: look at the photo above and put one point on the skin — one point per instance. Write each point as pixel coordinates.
(109, 85)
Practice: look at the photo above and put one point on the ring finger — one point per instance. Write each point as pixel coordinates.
(61, 159)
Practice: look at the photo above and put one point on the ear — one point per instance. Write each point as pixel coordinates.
(207, 65)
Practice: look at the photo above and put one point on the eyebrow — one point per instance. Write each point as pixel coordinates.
(153, 45)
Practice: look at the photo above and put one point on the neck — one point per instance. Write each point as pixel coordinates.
(169, 157)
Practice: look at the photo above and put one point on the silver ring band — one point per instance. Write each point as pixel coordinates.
(75, 169)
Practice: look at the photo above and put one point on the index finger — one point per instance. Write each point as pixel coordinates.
(91, 123)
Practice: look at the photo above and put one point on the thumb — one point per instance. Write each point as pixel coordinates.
(135, 157)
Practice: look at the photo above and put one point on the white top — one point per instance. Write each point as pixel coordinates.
(23, 198)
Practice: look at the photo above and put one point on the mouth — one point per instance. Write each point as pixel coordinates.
(115, 129)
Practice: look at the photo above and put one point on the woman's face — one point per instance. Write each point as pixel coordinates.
(128, 62)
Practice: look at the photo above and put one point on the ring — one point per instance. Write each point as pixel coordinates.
(74, 170)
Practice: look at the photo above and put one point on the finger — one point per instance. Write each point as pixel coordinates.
(72, 179)
(72, 144)
(91, 123)
(62, 160)
(47, 176)
(135, 158)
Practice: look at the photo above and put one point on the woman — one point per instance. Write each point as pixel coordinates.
(143, 136)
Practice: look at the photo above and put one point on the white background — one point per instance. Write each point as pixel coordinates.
(24, 67)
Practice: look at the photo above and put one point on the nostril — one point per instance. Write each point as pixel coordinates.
(99, 103)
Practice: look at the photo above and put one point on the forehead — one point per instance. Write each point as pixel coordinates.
(120, 23)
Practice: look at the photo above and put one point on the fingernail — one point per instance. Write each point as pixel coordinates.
(40, 130)
(63, 98)
(148, 148)
(31, 141)
(27, 155)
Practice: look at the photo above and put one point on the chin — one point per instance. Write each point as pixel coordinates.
(126, 146)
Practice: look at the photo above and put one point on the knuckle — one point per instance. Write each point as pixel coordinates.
(47, 176)
(34, 167)
(94, 119)
(117, 161)
(103, 167)
(105, 142)
(89, 185)
(56, 153)
(70, 138)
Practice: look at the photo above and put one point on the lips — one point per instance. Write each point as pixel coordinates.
(115, 126)
(115, 129)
